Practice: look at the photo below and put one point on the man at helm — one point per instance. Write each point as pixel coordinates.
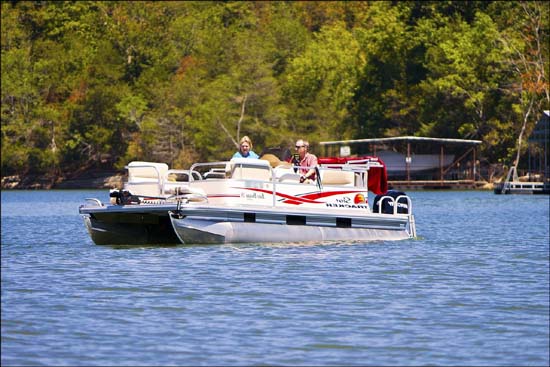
(307, 162)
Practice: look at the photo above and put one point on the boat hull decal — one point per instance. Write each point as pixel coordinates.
(309, 198)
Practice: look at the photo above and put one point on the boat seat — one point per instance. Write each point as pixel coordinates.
(290, 177)
(145, 178)
(284, 172)
(146, 171)
(143, 188)
(337, 178)
(250, 169)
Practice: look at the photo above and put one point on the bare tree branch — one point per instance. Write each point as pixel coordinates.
(526, 114)
(243, 105)
(241, 118)
(228, 134)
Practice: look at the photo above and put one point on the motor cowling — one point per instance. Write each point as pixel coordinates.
(123, 197)
(387, 203)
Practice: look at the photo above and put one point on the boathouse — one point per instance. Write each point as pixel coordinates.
(415, 162)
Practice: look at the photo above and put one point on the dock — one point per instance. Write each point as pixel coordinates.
(519, 187)
(436, 185)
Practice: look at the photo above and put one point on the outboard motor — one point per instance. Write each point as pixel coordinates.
(123, 197)
(387, 204)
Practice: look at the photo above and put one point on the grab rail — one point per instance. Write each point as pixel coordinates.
(194, 167)
(395, 201)
(97, 201)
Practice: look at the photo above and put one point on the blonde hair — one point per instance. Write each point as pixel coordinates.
(246, 139)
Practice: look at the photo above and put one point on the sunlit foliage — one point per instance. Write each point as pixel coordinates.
(95, 84)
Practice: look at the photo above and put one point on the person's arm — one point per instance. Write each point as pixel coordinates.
(307, 176)
(311, 172)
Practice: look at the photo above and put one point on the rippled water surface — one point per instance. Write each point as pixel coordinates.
(473, 289)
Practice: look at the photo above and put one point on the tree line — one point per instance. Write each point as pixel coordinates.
(96, 84)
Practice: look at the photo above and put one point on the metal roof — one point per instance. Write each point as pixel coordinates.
(402, 138)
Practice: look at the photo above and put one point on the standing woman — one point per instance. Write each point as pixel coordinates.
(245, 149)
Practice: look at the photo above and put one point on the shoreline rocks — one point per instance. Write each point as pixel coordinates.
(91, 180)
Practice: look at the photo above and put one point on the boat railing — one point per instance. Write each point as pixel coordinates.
(354, 174)
(95, 201)
(208, 170)
(148, 178)
(259, 168)
(247, 169)
(182, 175)
(395, 204)
(177, 179)
(365, 162)
(359, 167)
(329, 176)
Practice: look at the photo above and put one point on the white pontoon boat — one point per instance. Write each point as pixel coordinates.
(250, 200)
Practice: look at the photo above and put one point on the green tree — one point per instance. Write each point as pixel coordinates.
(96, 84)
(321, 82)
(388, 93)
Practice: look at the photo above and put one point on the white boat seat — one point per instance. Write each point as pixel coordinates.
(250, 169)
(143, 188)
(337, 178)
(146, 170)
(284, 173)
(290, 177)
(145, 178)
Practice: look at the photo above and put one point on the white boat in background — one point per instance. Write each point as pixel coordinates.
(250, 200)
(397, 162)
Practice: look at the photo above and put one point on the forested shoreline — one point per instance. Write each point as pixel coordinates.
(88, 86)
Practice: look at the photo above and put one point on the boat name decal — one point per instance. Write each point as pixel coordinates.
(252, 195)
(289, 199)
(346, 205)
(345, 202)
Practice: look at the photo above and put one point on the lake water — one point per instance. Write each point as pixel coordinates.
(473, 289)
